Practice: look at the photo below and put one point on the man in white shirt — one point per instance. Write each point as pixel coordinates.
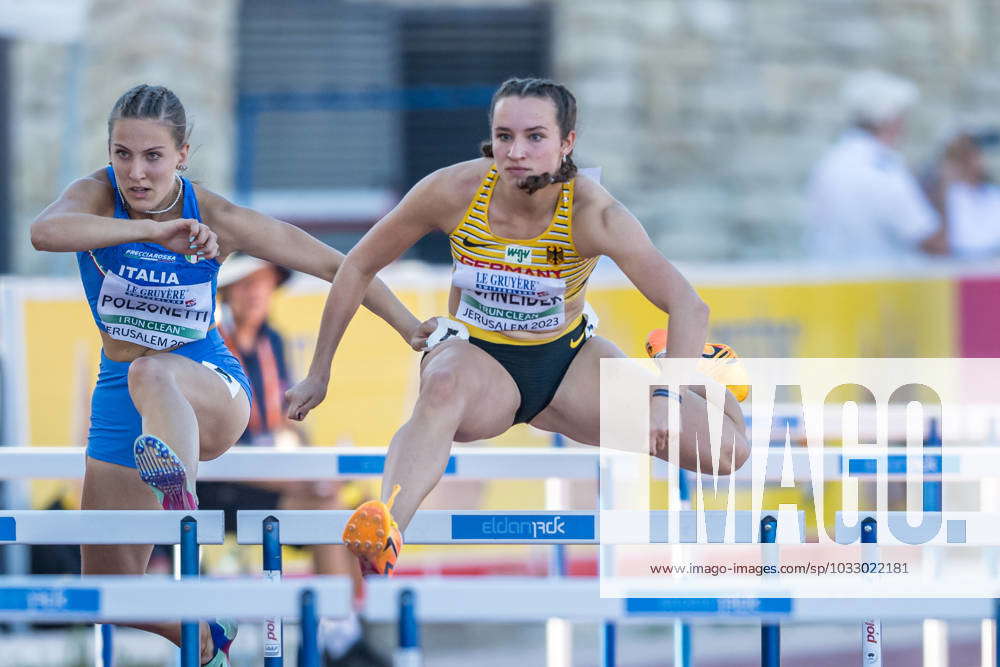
(863, 202)
(964, 194)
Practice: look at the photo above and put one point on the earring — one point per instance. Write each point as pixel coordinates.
(182, 167)
(564, 158)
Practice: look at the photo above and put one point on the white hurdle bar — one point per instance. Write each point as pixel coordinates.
(106, 526)
(548, 527)
(153, 598)
(513, 599)
(455, 599)
(256, 463)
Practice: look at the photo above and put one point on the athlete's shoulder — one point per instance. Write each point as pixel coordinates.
(212, 206)
(462, 177)
(92, 193)
(590, 198)
(452, 186)
(96, 183)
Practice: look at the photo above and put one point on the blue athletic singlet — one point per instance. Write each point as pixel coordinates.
(147, 294)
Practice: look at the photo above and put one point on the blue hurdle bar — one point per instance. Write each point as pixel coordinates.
(770, 633)
(273, 628)
(190, 636)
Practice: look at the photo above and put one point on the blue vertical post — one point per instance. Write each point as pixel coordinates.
(871, 628)
(996, 631)
(408, 651)
(558, 556)
(932, 447)
(608, 645)
(309, 650)
(107, 645)
(273, 638)
(190, 636)
(682, 630)
(770, 633)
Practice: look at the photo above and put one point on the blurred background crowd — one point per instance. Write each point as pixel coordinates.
(707, 116)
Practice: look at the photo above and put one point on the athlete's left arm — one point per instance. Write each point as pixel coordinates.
(608, 228)
(244, 229)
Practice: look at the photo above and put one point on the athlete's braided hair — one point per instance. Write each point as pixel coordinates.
(152, 102)
(565, 118)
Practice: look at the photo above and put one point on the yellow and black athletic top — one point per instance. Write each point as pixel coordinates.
(512, 285)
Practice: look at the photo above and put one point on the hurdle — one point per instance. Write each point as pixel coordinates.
(126, 598)
(512, 599)
(976, 529)
(303, 527)
(447, 600)
(106, 598)
(524, 599)
(570, 463)
(95, 527)
(321, 463)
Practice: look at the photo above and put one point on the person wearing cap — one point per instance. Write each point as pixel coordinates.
(246, 287)
(863, 203)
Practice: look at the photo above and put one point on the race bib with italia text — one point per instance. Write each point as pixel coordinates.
(156, 316)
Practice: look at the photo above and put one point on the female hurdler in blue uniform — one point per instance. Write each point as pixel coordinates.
(169, 393)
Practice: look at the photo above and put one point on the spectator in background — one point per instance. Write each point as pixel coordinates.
(863, 202)
(965, 196)
(246, 286)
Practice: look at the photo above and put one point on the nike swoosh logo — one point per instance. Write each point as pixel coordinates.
(574, 343)
(471, 244)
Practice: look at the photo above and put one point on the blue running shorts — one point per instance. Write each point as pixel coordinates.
(114, 421)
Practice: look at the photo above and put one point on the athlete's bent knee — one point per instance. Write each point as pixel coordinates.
(733, 456)
(147, 372)
(440, 388)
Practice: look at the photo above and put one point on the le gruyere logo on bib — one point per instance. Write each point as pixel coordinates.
(155, 316)
(500, 300)
(517, 254)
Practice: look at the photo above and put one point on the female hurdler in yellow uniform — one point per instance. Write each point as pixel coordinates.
(526, 231)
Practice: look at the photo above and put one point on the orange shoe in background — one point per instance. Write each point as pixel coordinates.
(372, 535)
(719, 362)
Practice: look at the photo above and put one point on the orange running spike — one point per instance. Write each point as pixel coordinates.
(372, 535)
(719, 362)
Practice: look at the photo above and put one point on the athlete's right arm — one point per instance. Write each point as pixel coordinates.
(74, 222)
(422, 210)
